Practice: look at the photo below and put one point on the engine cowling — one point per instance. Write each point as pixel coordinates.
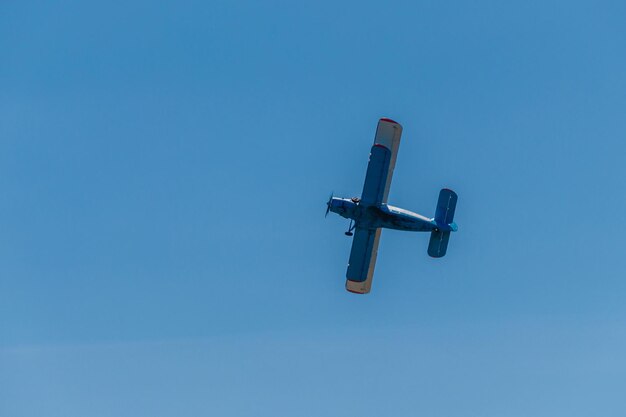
(345, 207)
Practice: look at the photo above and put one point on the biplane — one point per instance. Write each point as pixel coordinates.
(371, 213)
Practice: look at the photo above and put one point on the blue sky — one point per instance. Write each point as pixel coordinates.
(164, 170)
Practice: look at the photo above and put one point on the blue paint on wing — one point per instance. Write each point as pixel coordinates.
(362, 255)
(376, 176)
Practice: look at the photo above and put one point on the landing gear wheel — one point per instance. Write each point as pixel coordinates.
(350, 229)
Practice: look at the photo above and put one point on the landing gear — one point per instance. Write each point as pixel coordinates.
(350, 229)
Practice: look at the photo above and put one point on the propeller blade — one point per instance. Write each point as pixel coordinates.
(328, 204)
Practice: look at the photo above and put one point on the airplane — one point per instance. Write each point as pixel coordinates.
(370, 213)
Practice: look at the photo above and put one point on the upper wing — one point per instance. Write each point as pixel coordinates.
(362, 260)
(382, 162)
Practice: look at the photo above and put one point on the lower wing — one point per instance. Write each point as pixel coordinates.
(362, 260)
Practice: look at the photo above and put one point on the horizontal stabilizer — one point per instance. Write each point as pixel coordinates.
(445, 206)
(438, 244)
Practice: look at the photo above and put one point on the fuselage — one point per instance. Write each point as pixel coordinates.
(384, 216)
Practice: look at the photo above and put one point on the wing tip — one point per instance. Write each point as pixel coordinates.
(388, 120)
(358, 287)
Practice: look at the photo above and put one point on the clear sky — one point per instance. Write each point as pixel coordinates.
(164, 168)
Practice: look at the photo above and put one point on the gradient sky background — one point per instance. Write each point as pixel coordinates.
(164, 168)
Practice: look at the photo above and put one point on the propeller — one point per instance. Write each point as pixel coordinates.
(330, 199)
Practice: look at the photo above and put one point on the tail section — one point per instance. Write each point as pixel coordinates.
(445, 206)
(444, 216)
(438, 244)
